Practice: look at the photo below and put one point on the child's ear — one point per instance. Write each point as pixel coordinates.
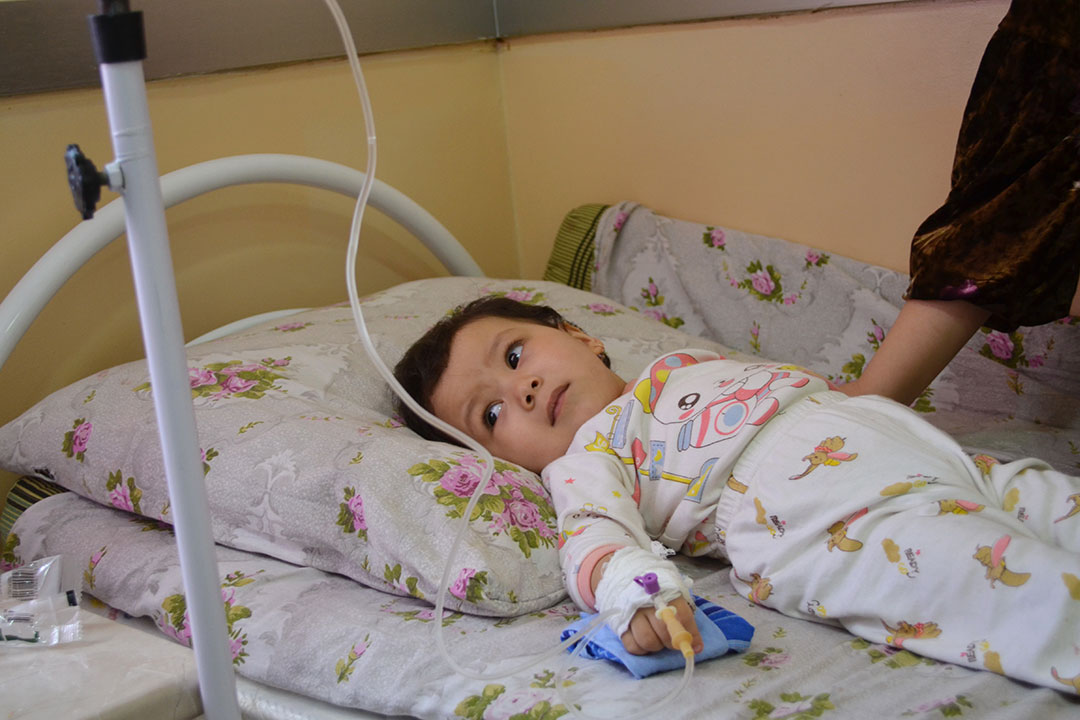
(594, 344)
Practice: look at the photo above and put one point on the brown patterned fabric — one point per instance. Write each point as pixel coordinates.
(1008, 236)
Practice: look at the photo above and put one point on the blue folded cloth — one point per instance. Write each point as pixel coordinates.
(722, 631)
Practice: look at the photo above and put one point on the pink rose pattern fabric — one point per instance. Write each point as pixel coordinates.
(359, 647)
(77, 439)
(513, 503)
(785, 302)
(304, 459)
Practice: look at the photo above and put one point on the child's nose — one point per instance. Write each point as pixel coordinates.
(529, 390)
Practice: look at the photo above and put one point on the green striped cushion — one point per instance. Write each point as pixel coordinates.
(572, 257)
(26, 492)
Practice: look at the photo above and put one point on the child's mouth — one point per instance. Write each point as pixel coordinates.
(555, 403)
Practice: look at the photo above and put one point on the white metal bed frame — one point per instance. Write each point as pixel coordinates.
(34, 290)
(29, 296)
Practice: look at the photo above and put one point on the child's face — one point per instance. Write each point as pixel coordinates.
(522, 389)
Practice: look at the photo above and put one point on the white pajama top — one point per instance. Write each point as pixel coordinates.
(652, 464)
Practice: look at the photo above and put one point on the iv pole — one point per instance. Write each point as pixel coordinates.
(120, 47)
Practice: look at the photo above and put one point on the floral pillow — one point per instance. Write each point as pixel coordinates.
(304, 459)
(1010, 395)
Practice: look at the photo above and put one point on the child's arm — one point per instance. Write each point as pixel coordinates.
(647, 633)
(595, 494)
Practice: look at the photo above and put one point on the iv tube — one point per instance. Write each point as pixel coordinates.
(350, 280)
(486, 460)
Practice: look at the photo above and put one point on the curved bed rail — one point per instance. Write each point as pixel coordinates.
(59, 263)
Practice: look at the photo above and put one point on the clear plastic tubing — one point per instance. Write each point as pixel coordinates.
(486, 460)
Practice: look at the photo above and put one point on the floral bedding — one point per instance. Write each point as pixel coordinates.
(1006, 394)
(324, 636)
(323, 593)
(304, 459)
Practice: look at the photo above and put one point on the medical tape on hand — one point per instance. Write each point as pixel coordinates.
(617, 590)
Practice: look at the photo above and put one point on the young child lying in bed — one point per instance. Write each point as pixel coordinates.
(844, 510)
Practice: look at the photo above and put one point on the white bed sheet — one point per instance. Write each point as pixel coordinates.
(124, 669)
(115, 671)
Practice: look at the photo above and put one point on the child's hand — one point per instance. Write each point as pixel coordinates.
(647, 633)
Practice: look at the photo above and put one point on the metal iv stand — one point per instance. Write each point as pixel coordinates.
(120, 46)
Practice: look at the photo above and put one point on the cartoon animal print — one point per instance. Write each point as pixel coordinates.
(991, 659)
(984, 463)
(736, 485)
(900, 488)
(1074, 510)
(912, 482)
(696, 544)
(992, 662)
(905, 631)
(648, 391)
(910, 568)
(958, 507)
(745, 401)
(994, 560)
(1072, 583)
(772, 523)
(827, 453)
(649, 463)
(720, 412)
(760, 588)
(760, 516)
(1073, 682)
(838, 538)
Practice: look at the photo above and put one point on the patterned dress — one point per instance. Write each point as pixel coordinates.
(1008, 236)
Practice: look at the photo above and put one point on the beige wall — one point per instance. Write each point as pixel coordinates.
(834, 129)
(244, 250)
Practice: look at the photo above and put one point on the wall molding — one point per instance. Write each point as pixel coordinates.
(45, 44)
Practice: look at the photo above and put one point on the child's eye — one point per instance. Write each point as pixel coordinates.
(491, 414)
(513, 355)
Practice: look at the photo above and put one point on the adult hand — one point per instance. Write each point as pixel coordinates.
(925, 337)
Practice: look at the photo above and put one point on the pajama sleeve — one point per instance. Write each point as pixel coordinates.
(596, 501)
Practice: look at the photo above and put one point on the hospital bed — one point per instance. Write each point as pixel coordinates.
(332, 520)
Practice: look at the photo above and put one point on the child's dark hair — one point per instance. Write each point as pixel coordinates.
(423, 364)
